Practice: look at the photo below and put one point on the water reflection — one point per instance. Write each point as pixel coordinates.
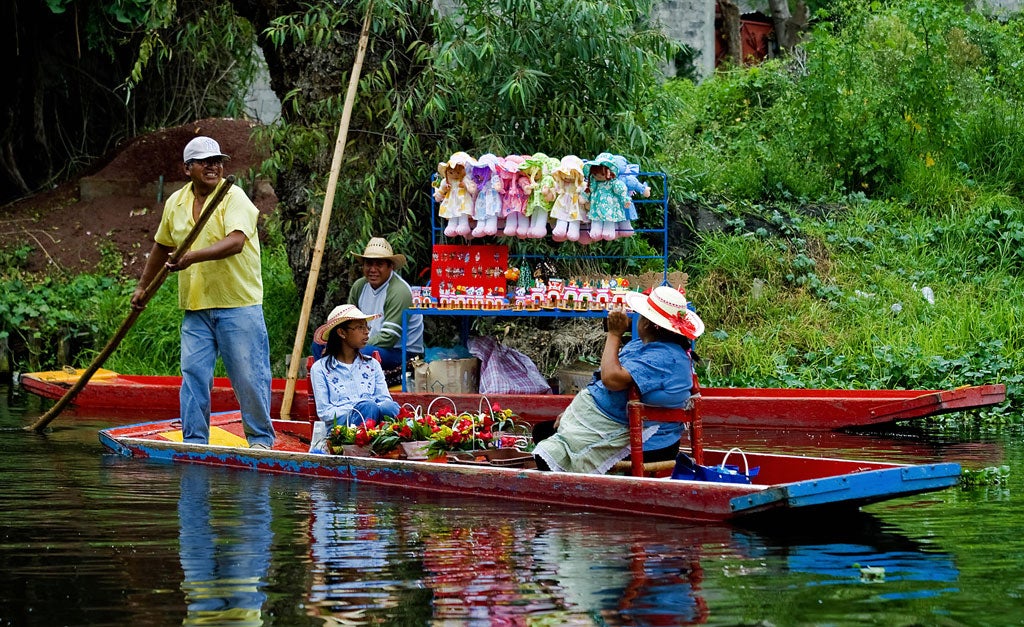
(225, 539)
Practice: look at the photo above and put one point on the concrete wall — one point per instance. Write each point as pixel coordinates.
(999, 8)
(261, 103)
(692, 23)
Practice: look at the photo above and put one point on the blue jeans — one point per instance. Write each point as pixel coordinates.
(369, 410)
(239, 336)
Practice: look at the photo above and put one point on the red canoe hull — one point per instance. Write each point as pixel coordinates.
(785, 485)
(753, 408)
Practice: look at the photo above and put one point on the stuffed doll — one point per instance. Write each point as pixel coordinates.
(538, 168)
(628, 173)
(455, 194)
(487, 205)
(566, 210)
(607, 198)
(514, 200)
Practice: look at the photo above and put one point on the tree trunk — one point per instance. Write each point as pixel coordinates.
(781, 20)
(731, 28)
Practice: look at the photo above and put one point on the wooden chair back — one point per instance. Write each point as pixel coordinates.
(638, 412)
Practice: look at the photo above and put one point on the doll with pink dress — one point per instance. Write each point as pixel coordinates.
(489, 189)
(567, 192)
(456, 194)
(607, 198)
(513, 203)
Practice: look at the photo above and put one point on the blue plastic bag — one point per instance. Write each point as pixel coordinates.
(689, 470)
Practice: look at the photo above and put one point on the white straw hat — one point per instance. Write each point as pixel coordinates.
(379, 248)
(666, 307)
(340, 314)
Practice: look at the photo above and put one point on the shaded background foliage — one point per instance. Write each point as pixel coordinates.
(85, 75)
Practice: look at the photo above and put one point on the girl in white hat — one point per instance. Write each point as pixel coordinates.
(348, 386)
(593, 432)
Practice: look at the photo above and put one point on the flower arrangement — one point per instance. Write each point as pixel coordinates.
(445, 430)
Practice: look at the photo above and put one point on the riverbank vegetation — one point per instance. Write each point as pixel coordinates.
(867, 191)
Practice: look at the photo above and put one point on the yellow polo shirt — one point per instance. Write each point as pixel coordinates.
(232, 282)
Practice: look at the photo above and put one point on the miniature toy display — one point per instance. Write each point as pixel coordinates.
(479, 277)
(468, 277)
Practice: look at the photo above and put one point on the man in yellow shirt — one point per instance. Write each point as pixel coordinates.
(221, 290)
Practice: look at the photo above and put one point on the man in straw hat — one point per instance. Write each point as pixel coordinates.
(383, 292)
(593, 432)
(221, 290)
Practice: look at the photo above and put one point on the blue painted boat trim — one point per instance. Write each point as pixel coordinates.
(860, 488)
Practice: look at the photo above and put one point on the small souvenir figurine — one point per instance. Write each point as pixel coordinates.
(513, 202)
(628, 173)
(538, 169)
(566, 210)
(455, 194)
(487, 206)
(607, 197)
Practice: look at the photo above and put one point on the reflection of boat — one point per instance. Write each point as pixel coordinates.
(858, 548)
(817, 410)
(785, 484)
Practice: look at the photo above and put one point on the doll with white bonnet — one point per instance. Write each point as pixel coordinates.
(455, 194)
(566, 210)
(607, 198)
(487, 205)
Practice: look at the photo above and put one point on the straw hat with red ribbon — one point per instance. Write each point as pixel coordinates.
(666, 307)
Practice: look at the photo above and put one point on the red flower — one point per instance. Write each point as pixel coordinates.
(406, 432)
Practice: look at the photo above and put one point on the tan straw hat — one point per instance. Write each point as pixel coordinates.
(341, 314)
(379, 248)
(666, 307)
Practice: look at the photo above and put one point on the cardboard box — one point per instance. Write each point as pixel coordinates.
(447, 376)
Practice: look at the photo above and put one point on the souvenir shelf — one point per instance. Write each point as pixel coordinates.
(476, 263)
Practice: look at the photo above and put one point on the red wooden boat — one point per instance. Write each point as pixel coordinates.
(786, 485)
(782, 408)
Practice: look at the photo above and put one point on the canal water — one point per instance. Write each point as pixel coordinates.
(89, 538)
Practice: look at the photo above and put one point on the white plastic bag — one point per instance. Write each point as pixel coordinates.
(318, 442)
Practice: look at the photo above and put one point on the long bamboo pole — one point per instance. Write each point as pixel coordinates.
(325, 218)
(151, 289)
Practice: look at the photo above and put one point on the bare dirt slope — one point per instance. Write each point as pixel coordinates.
(114, 209)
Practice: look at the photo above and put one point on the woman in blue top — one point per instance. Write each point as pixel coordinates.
(348, 386)
(593, 432)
